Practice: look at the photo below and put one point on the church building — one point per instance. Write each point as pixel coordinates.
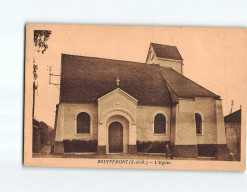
(111, 106)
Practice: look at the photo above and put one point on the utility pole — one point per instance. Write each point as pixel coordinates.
(232, 103)
(53, 75)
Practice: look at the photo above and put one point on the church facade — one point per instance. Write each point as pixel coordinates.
(112, 106)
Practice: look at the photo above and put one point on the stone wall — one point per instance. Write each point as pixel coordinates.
(180, 130)
(67, 124)
(186, 131)
(233, 138)
(213, 134)
(145, 123)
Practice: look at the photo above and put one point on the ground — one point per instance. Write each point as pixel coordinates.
(116, 156)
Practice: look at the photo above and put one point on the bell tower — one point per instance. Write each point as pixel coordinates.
(166, 56)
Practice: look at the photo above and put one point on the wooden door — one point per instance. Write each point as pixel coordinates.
(115, 137)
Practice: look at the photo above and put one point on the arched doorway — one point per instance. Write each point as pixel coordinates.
(115, 137)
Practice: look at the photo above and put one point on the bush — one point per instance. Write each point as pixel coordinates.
(152, 146)
(207, 150)
(80, 145)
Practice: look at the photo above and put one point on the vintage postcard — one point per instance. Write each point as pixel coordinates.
(135, 97)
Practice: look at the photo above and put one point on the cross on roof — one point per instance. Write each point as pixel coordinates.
(118, 80)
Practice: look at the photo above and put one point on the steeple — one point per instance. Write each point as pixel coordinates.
(165, 55)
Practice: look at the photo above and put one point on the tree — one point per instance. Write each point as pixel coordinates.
(40, 42)
(40, 39)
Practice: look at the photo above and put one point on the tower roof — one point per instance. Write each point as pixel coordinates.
(166, 51)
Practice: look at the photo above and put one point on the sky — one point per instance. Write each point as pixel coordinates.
(213, 57)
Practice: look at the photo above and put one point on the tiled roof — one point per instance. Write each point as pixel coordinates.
(166, 51)
(183, 87)
(233, 117)
(85, 79)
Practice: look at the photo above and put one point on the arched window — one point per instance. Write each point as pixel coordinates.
(83, 123)
(198, 123)
(159, 123)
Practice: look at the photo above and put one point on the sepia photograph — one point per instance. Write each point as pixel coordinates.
(123, 96)
(142, 97)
